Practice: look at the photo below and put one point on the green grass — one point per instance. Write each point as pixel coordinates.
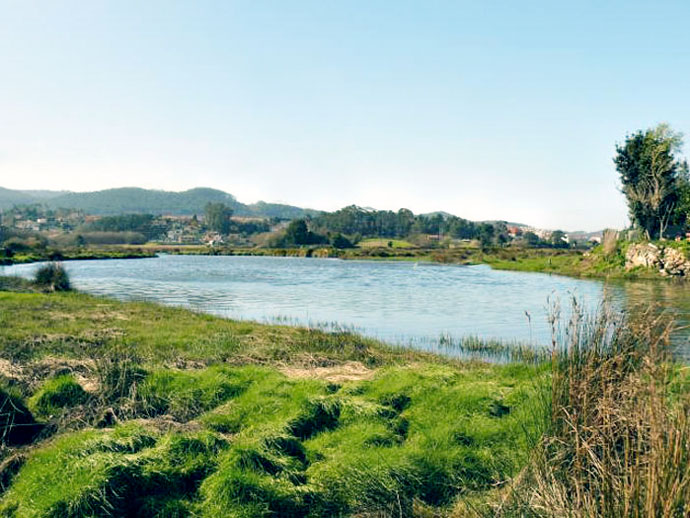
(385, 243)
(185, 394)
(74, 254)
(204, 423)
(57, 394)
(131, 470)
(77, 326)
(292, 447)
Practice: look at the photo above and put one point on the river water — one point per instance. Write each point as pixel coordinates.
(400, 302)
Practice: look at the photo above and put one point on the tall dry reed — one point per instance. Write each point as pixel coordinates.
(609, 241)
(616, 439)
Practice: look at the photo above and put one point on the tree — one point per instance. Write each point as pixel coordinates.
(531, 238)
(651, 177)
(340, 241)
(486, 233)
(217, 217)
(558, 239)
(297, 233)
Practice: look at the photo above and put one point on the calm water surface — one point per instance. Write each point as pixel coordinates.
(400, 302)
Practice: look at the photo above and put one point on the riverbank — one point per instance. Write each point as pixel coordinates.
(147, 410)
(574, 263)
(76, 254)
(594, 264)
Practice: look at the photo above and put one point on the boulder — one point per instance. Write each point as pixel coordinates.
(642, 254)
(675, 263)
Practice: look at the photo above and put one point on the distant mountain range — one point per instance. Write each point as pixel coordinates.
(136, 200)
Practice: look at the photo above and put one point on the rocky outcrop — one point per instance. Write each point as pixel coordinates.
(675, 263)
(669, 261)
(644, 254)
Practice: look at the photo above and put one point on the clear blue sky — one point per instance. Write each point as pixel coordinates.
(486, 109)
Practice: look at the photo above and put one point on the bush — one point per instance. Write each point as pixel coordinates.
(340, 241)
(53, 277)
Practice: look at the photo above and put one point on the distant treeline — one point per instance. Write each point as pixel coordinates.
(144, 224)
(355, 221)
(154, 227)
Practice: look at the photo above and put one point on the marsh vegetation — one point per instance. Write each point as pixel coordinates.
(145, 410)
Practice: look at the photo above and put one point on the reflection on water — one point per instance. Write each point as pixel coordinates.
(671, 297)
(394, 301)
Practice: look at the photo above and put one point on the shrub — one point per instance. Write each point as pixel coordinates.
(119, 374)
(52, 276)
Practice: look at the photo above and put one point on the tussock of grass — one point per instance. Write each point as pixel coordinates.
(57, 394)
(126, 471)
(52, 277)
(289, 447)
(185, 394)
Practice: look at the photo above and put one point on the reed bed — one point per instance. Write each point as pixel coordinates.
(616, 432)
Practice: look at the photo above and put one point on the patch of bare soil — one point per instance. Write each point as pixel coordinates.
(84, 371)
(166, 423)
(10, 369)
(348, 371)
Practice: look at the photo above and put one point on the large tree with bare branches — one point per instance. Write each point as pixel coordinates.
(652, 178)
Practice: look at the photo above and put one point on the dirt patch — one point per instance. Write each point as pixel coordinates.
(10, 370)
(61, 315)
(167, 423)
(84, 371)
(348, 371)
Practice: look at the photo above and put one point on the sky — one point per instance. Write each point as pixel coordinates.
(484, 109)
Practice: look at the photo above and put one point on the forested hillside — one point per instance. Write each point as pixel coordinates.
(148, 201)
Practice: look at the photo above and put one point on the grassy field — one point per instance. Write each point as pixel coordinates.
(145, 410)
(134, 409)
(74, 254)
(384, 243)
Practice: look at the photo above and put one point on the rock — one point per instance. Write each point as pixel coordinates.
(646, 255)
(670, 262)
(675, 263)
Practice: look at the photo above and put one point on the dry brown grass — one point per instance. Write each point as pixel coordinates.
(617, 432)
(609, 241)
(347, 371)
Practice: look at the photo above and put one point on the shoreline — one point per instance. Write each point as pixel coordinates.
(569, 263)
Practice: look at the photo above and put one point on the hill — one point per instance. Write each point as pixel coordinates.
(137, 200)
(9, 198)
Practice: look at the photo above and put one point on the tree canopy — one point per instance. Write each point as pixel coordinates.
(217, 217)
(653, 179)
